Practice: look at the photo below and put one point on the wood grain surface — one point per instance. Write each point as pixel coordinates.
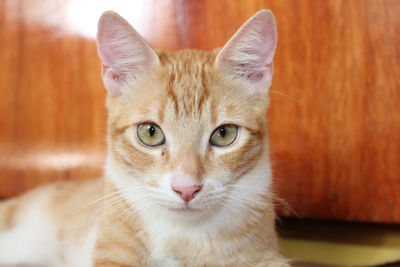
(335, 101)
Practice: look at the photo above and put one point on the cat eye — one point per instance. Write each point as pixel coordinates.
(224, 135)
(150, 134)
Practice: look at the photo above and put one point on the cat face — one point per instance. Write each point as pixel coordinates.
(187, 128)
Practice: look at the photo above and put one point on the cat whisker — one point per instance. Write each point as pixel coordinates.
(118, 192)
(286, 95)
(115, 203)
(238, 189)
(136, 211)
(120, 202)
(124, 212)
(249, 201)
(284, 203)
(239, 209)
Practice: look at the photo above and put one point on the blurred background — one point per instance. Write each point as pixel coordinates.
(334, 119)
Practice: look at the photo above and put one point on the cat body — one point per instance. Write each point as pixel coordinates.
(187, 177)
(48, 227)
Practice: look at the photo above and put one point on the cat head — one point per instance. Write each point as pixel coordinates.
(186, 129)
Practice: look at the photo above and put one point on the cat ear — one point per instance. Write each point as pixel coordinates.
(125, 54)
(249, 53)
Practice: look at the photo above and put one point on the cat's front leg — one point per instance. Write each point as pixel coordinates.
(116, 253)
(118, 259)
(280, 264)
(274, 262)
(107, 263)
(166, 262)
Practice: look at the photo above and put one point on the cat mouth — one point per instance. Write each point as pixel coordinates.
(181, 209)
(184, 209)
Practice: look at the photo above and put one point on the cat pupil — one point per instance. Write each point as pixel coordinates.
(152, 131)
(222, 131)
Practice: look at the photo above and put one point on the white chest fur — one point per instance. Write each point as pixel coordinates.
(174, 240)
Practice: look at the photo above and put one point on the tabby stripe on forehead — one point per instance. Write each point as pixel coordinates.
(205, 91)
(171, 93)
(213, 112)
(161, 110)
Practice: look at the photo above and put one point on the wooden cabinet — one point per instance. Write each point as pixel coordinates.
(335, 101)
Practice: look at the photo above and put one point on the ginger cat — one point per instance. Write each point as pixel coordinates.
(187, 176)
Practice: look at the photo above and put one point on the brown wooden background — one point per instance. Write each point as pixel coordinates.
(335, 115)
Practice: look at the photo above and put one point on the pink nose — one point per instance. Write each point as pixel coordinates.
(186, 192)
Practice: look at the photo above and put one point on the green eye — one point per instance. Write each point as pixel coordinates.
(150, 134)
(224, 135)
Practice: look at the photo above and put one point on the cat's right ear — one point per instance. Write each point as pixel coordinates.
(249, 53)
(125, 55)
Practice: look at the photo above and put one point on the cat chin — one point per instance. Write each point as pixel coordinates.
(183, 209)
(184, 213)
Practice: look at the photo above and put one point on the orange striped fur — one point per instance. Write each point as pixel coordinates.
(134, 216)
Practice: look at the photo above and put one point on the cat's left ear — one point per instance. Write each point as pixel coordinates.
(249, 53)
(125, 55)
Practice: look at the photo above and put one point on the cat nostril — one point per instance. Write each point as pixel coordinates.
(187, 192)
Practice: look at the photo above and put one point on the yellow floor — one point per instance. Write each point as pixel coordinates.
(340, 244)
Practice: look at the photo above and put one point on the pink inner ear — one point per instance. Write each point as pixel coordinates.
(268, 40)
(116, 77)
(114, 42)
(109, 73)
(104, 68)
(114, 80)
(120, 46)
(124, 53)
